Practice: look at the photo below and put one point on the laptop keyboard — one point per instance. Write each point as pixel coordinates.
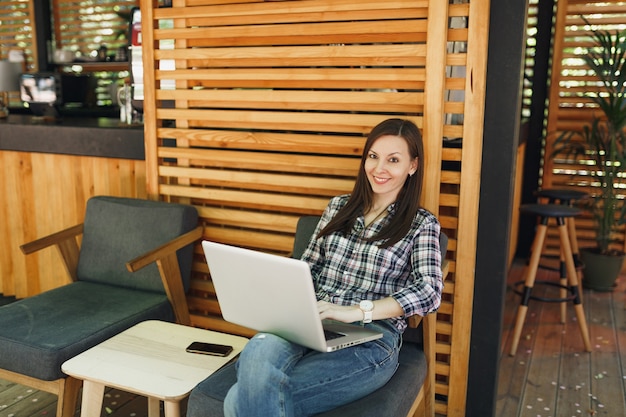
(330, 335)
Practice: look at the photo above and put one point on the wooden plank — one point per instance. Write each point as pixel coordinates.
(261, 141)
(262, 161)
(541, 396)
(332, 55)
(150, 119)
(20, 400)
(201, 33)
(392, 101)
(277, 222)
(277, 120)
(478, 23)
(257, 12)
(606, 383)
(271, 18)
(300, 184)
(399, 78)
(515, 369)
(573, 383)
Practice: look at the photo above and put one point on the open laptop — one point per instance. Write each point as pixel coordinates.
(275, 294)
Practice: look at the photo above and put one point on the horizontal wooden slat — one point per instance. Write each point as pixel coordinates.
(304, 10)
(287, 56)
(329, 78)
(282, 183)
(281, 120)
(261, 141)
(269, 242)
(248, 199)
(276, 222)
(206, 305)
(264, 161)
(218, 324)
(298, 100)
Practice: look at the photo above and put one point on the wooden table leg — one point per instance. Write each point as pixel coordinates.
(154, 409)
(93, 395)
(172, 408)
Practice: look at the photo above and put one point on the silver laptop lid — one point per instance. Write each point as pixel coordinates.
(267, 293)
(275, 294)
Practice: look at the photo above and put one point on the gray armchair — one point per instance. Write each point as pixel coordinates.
(410, 390)
(105, 297)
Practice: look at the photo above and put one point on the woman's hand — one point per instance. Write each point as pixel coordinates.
(345, 314)
(383, 309)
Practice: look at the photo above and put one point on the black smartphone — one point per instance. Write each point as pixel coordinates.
(209, 349)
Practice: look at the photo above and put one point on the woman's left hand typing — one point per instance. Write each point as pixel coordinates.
(345, 314)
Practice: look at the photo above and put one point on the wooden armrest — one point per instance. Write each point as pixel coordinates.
(167, 262)
(66, 243)
(53, 239)
(162, 251)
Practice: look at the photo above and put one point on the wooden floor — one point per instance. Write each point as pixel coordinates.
(550, 375)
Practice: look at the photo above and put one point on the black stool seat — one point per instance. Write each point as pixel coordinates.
(550, 210)
(562, 194)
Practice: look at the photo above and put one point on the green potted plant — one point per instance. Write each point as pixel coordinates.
(603, 141)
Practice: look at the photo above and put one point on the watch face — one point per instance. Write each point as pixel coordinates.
(366, 305)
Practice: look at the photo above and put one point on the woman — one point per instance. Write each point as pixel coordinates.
(374, 259)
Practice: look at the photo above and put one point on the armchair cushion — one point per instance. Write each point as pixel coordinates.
(132, 227)
(39, 333)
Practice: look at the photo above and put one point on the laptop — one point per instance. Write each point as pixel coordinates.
(275, 294)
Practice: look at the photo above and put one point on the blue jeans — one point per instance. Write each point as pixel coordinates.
(281, 379)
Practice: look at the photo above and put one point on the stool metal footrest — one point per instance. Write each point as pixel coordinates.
(525, 293)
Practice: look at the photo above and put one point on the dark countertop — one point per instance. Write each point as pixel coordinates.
(85, 136)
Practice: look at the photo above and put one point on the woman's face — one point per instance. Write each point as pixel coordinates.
(387, 165)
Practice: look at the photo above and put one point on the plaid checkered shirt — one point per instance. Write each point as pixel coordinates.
(347, 269)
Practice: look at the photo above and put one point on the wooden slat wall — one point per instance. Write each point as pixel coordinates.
(568, 108)
(44, 193)
(269, 114)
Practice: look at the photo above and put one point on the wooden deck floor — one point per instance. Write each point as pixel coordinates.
(550, 376)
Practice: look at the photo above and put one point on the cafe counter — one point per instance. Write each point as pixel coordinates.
(101, 137)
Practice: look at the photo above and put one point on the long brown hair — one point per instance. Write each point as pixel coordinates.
(361, 198)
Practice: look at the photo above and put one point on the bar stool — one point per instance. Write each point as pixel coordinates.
(545, 212)
(566, 197)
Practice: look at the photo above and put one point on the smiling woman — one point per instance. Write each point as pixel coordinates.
(377, 272)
